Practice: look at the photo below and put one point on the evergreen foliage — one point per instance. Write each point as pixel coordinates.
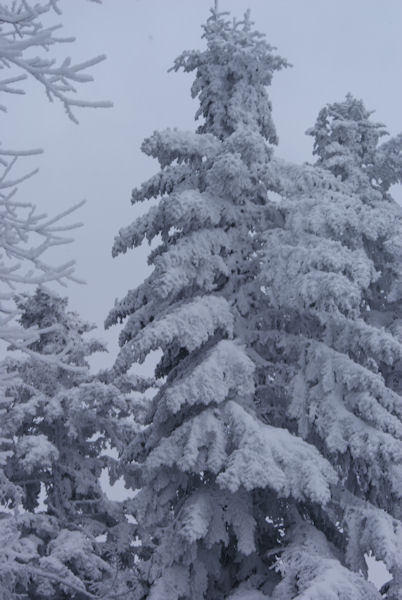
(61, 537)
(331, 318)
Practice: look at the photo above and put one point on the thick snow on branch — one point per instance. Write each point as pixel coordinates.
(188, 326)
(311, 571)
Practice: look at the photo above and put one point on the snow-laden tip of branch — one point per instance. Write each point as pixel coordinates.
(16, 153)
(55, 361)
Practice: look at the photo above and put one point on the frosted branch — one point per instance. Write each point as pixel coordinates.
(25, 236)
(21, 32)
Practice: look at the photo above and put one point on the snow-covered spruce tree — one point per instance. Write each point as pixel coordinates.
(217, 484)
(331, 316)
(60, 536)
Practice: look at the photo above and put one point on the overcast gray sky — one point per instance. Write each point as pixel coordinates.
(335, 47)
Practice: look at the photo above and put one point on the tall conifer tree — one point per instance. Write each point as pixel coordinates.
(331, 317)
(220, 483)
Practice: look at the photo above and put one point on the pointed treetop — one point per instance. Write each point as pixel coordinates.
(231, 77)
(60, 331)
(345, 137)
